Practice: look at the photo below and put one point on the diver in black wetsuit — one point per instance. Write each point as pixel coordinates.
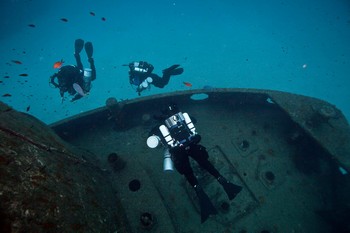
(141, 76)
(75, 79)
(180, 137)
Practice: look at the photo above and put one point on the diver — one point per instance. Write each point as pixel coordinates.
(141, 76)
(181, 140)
(76, 80)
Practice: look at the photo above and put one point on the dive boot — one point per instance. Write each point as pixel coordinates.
(78, 46)
(205, 204)
(173, 70)
(231, 189)
(89, 49)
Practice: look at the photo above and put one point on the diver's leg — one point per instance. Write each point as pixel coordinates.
(93, 69)
(182, 165)
(157, 81)
(89, 49)
(206, 207)
(78, 46)
(167, 73)
(78, 61)
(200, 154)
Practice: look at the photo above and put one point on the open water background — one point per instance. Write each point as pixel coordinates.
(294, 46)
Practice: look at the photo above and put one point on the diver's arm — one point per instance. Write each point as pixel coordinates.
(131, 77)
(52, 80)
(62, 95)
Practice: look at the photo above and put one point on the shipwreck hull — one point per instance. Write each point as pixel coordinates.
(285, 150)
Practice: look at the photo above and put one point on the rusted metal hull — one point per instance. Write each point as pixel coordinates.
(285, 150)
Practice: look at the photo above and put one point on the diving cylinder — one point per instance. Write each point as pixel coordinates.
(87, 79)
(189, 122)
(166, 134)
(145, 83)
(153, 141)
(168, 164)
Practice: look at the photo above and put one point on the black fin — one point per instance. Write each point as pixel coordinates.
(177, 71)
(170, 69)
(231, 189)
(205, 204)
(78, 46)
(89, 49)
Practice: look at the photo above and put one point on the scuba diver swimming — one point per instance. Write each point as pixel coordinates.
(181, 140)
(141, 76)
(75, 79)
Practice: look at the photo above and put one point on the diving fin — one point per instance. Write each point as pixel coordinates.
(231, 189)
(78, 46)
(173, 70)
(173, 67)
(206, 207)
(177, 71)
(89, 49)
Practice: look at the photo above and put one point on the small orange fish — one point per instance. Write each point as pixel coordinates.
(187, 84)
(58, 64)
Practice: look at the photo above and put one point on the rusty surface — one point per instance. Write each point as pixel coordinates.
(47, 185)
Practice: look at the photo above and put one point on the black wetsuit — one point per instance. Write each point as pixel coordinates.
(137, 77)
(70, 74)
(179, 133)
(180, 157)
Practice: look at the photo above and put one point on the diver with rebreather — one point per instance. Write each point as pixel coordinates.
(141, 76)
(181, 141)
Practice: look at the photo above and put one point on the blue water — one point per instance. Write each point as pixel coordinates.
(295, 46)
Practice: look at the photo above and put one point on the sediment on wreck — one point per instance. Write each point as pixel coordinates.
(47, 185)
